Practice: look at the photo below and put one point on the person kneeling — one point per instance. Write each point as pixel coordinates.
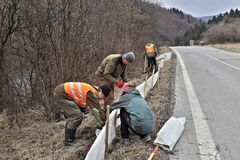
(135, 113)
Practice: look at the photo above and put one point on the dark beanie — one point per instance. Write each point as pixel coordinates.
(105, 90)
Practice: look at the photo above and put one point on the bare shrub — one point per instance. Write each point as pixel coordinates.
(224, 32)
(44, 43)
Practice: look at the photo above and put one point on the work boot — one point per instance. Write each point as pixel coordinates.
(69, 137)
(146, 138)
(125, 141)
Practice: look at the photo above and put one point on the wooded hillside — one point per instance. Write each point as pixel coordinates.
(224, 28)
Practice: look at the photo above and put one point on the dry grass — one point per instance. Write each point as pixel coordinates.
(233, 47)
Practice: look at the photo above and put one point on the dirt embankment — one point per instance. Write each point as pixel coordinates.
(42, 140)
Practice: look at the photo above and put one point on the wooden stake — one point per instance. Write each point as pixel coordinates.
(107, 133)
(152, 78)
(144, 65)
(153, 153)
(145, 86)
(159, 68)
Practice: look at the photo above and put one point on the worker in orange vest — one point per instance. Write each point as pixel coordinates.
(151, 54)
(75, 98)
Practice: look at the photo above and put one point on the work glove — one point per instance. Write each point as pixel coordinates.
(126, 80)
(119, 84)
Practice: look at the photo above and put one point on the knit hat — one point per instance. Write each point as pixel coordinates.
(128, 86)
(129, 56)
(105, 90)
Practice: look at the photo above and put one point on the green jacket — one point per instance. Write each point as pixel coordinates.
(138, 109)
(111, 68)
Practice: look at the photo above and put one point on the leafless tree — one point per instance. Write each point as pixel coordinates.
(47, 42)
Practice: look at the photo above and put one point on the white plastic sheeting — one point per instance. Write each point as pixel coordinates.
(150, 83)
(166, 56)
(97, 150)
(169, 134)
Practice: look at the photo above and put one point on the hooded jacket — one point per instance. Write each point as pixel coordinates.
(138, 109)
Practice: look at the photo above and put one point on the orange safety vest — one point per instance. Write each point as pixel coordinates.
(78, 92)
(150, 48)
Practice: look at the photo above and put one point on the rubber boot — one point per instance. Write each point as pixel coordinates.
(69, 137)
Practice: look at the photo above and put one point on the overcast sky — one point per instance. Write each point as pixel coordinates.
(198, 8)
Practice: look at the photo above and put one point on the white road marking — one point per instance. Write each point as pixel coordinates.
(206, 145)
(220, 61)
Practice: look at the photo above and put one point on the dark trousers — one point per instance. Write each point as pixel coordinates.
(152, 63)
(126, 124)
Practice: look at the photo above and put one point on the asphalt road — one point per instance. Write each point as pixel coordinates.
(207, 93)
